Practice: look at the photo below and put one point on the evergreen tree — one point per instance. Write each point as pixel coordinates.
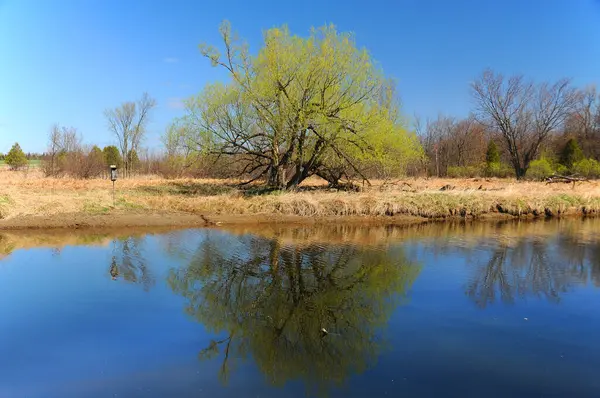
(492, 155)
(112, 156)
(571, 154)
(16, 158)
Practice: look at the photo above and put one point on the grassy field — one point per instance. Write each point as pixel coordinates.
(25, 194)
(32, 163)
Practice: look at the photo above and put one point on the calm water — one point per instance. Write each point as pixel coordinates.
(477, 310)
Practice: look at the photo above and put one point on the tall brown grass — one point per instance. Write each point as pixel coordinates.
(28, 194)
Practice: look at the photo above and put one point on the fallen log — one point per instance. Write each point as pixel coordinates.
(565, 179)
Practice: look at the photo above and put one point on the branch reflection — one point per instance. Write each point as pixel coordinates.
(272, 301)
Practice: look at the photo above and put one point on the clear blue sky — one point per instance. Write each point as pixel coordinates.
(66, 61)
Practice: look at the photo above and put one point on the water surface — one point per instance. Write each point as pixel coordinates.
(463, 310)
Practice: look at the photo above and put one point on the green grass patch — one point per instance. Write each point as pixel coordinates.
(125, 204)
(95, 208)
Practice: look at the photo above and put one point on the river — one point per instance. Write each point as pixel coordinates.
(437, 309)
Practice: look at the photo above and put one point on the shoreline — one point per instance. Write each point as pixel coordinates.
(178, 220)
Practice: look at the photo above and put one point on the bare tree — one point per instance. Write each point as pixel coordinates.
(467, 142)
(584, 122)
(436, 144)
(128, 123)
(524, 113)
(64, 151)
(54, 142)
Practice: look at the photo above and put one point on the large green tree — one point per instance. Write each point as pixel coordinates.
(271, 300)
(15, 158)
(300, 107)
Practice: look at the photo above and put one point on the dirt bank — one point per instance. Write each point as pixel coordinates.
(175, 220)
(123, 219)
(116, 219)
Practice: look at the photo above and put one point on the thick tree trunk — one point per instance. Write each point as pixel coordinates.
(276, 177)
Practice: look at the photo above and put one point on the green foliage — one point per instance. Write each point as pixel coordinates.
(305, 105)
(571, 154)
(589, 168)
(499, 170)
(96, 152)
(112, 156)
(561, 169)
(465, 171)
(492, 156)
(16, 158)
(540, 169)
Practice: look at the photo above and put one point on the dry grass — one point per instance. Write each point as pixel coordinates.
(30, 194)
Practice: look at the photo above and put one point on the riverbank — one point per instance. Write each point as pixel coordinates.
(30, 201)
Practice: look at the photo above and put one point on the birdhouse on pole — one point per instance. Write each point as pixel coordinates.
(113, 173)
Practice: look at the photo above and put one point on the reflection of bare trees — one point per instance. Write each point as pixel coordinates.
(583, 257)
(271, 300)
(128, 263)
(535, 267)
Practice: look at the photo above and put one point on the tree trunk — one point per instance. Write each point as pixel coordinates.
(520, 172)
(276, 177)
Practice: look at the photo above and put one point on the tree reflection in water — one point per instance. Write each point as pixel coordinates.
(272, 300)
(543, 267)
(128, 262)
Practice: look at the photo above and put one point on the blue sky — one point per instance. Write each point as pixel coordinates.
(66, 61)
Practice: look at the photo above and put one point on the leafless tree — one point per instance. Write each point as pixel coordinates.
(523, 112)
(434, 139)
(128, 123)
(63, 152)
(54, 143)
(584, 122)
(467, 142)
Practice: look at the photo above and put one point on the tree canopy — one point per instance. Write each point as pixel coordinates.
(300, 107)
(15, 158)
(112, 156)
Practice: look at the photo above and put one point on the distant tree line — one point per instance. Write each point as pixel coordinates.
(536, 129)
(320, 106)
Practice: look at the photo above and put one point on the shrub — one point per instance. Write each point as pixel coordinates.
(16, 158)
(464, 171)
(539, 169)
(561, 169)
(499, 170)
(589, 168)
